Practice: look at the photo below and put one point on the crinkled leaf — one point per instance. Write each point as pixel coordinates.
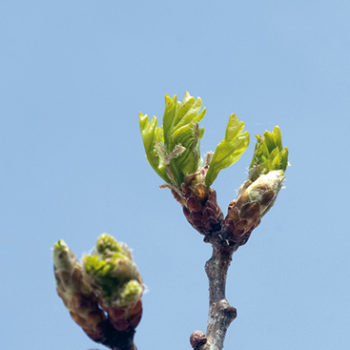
(153, 135)
(229, 150)
(180, 133)
(268, 154)
(183, 130)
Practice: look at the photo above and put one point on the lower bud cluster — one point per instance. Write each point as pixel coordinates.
(104, 291)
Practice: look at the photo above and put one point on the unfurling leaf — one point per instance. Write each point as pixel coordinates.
(153, 135)
(269, 154)
(229, 150)
(173, 150)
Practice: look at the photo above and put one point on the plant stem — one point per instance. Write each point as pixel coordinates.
(221, 313)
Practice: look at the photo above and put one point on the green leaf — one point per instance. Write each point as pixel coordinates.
(229, 150)
(268, 154)
(174, 152)
(168, 120)
(180, 123)
(153, 135)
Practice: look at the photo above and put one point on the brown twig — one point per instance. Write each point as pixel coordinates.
(225, 234)
(206, 216)
(221, 313)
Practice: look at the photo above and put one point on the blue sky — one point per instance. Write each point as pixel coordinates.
(73, 77)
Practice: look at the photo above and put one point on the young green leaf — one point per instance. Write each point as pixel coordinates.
(153, 135)
(229, 150)
(180, 122)
(173, 151)
(268, 154)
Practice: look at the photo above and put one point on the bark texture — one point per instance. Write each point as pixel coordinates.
(221, 313)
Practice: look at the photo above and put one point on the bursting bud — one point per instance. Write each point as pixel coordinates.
(116, 281)
(257, 195)
(77, 295)
(173, 151)
(254, 200)
(264, 190)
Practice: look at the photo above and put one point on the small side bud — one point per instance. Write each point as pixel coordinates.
(257, 195)
(197, 339)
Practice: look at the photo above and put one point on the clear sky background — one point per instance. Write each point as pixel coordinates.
(73, 77)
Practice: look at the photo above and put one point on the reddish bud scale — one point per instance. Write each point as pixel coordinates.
(201, 208)
(240, 222)
(203, 212)
(245, 214)
(127, 318)
(83, 308)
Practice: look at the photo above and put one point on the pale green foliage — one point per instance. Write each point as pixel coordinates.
(173, 150)
(269, 154)
(153, 135)
(229, 150)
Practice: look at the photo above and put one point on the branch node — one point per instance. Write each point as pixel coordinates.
(223, 312)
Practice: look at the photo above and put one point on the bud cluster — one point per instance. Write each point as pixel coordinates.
(173, 151)
(104, 290)
(244, 214)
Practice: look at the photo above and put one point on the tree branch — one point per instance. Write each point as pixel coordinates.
(221, 313)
